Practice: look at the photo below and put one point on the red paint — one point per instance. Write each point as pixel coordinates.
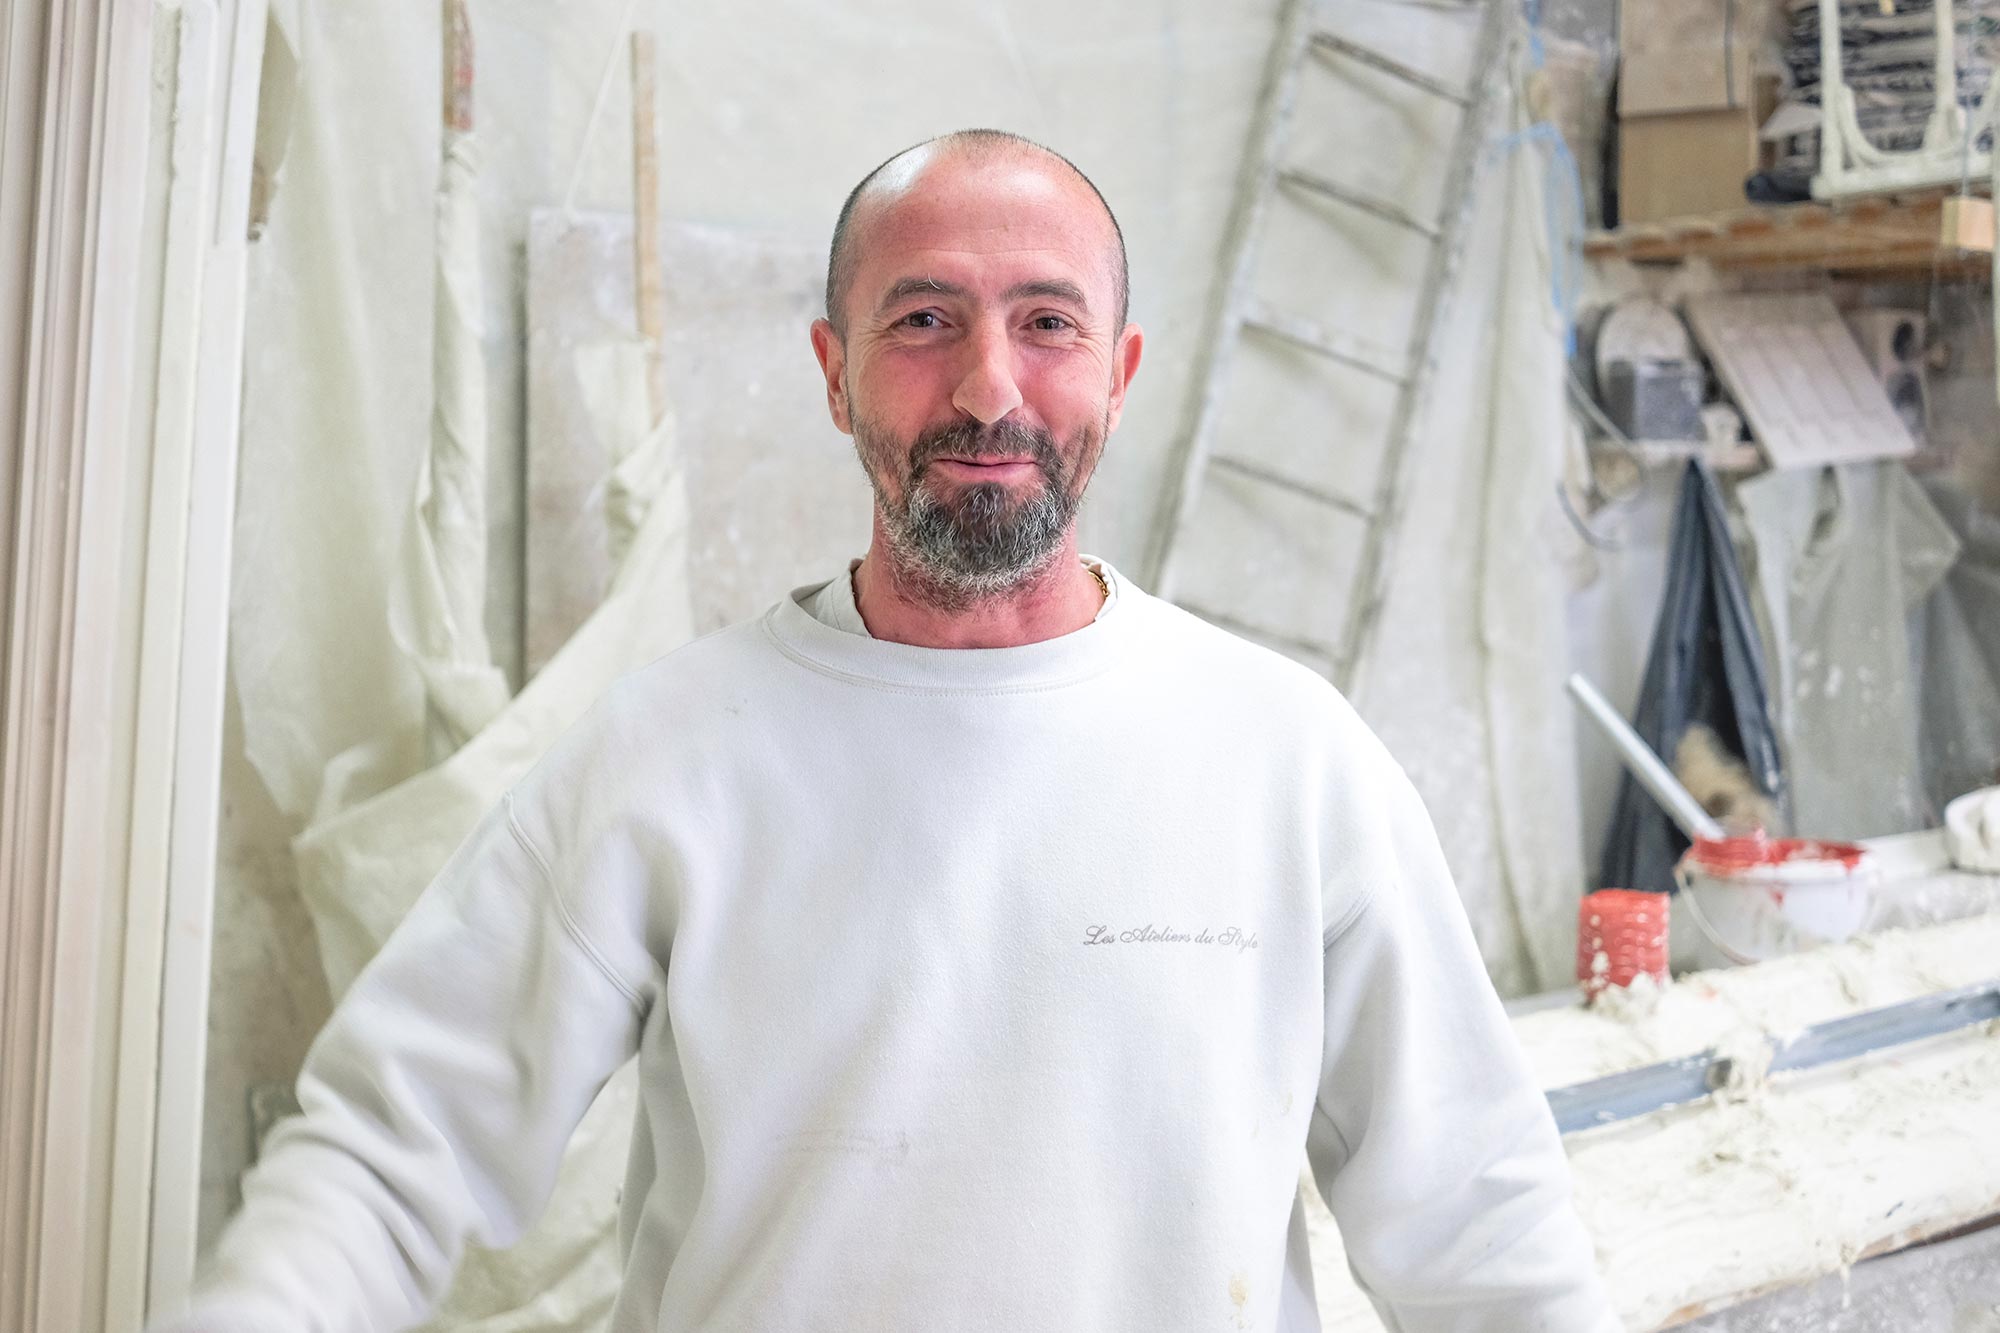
(1734, 856)
(1628, 927)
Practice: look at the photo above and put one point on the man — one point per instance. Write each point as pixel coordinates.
(993, 937)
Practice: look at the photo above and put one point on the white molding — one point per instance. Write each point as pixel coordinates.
(124, 282)
(22, 42)
(196, 780)
(188, 36)
(59, 796)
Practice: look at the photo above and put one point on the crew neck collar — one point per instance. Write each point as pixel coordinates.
(1051, 663)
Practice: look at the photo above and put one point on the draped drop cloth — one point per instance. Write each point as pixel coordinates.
(361, 869)
(437, 608)
(1464, 680)
(359, 646)
(1845, 558)
(1961, 679)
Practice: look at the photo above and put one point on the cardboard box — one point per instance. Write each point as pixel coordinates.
(1688, 162)
(1690, 103)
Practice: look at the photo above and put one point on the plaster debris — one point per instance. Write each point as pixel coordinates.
(1778, 1181)
(1749, 1056)
(1972, 830)
(1634, 1002)
(1696, 1208)
(1703, 1009)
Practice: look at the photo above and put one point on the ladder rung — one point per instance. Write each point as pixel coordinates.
(1368, 55)
(1312, 648)
(1258, 472)
(1333, 346)
(1367, 203)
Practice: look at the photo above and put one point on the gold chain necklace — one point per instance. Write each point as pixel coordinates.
(1102, 586)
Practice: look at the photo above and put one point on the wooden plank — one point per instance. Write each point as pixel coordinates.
(1867, 235)
(1967, 224)
(650, 287)
(1798, 377)
(574, 307)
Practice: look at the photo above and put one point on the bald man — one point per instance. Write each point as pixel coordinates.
(994, 939)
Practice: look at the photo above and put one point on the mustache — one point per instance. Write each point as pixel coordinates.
(975, 440)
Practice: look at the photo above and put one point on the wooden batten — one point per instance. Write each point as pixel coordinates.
(1879, 234)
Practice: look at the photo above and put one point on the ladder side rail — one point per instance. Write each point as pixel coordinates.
(1211, 370)
(1370, 587)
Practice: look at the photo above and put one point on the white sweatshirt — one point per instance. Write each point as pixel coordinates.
(987, 989)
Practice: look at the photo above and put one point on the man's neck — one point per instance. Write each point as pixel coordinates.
(893, 604)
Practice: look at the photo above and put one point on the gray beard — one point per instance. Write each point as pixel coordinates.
(956, 546)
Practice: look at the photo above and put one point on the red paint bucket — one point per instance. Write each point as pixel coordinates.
(1621, 935)
(1757, 897)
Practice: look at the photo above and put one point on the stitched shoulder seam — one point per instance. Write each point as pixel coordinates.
(1342, 923)
(1346, 1148)
(563, 914)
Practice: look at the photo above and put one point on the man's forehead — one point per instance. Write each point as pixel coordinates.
(900, 173)
(937, 218)
(996, 192)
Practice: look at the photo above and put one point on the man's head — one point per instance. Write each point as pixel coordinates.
(976, 347)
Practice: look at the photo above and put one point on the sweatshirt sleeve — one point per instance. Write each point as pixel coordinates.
(436, 1103)
(1431, 1141)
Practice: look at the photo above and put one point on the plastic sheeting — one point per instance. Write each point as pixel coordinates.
(1465, 680)
(1960, 700)
(437, 609)
(1706, 665)
(361, 869)
(1844, 558)
(357, 615)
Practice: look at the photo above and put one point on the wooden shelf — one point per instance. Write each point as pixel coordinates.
(1744, 457)
(1876, 234)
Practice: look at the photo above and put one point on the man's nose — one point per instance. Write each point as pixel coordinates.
(988, 392)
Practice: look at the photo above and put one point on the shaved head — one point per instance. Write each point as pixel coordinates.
(902, 170)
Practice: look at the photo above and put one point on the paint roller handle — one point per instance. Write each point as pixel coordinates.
(1654, 776)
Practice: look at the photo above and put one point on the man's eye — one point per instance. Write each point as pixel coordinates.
(921, 319)
(1051, 323)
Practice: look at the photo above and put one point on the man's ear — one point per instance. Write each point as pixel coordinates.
(832, 354)
(1124, 365)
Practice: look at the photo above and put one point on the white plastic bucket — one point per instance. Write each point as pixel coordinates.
(1758, 898)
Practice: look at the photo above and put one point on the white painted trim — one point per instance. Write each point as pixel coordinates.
(189, 35)
(62, 784)
(21, 41)
(203, 641)
(126, 286)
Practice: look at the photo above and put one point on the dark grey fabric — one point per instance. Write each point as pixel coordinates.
(1706, 664)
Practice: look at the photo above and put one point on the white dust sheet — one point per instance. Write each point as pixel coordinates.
(1696, 1208)
(1464, 679)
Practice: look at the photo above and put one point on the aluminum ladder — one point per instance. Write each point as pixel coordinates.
(1306, 45)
